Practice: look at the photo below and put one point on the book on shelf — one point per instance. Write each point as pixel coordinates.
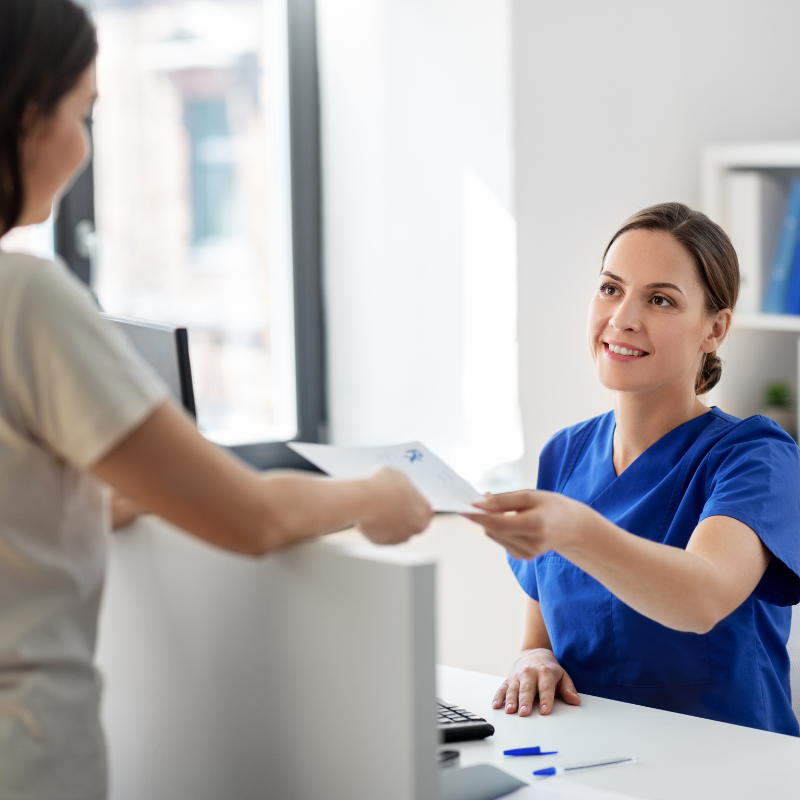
(793, 296)
(780, 276)
(754, 206)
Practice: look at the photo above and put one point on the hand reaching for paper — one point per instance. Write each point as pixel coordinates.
(529, 523)
(397, 510)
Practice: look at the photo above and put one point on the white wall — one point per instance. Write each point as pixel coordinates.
(613, 101)
(417, 162)
(420, 264)
(480, 608)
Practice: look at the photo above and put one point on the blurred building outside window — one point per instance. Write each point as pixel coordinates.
(192, 196)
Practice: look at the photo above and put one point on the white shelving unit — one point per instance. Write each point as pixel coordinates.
(762, 348)
(768, 322)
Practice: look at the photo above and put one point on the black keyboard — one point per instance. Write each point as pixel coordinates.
(459, 725)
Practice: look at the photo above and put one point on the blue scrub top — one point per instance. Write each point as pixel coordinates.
(713, 465)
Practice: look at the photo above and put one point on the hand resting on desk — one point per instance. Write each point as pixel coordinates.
(535, 671)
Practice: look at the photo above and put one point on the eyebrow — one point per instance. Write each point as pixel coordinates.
(649, 285)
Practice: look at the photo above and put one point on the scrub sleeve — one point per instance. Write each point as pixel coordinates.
(755, 479)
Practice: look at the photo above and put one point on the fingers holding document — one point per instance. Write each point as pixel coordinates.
(395, 510)
(528, 523)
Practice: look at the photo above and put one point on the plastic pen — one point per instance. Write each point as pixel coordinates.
(606, 762)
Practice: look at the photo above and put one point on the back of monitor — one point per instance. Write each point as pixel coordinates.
(166, 349)
(303, 676)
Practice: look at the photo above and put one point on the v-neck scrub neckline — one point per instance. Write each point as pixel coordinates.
(714, 464)
(677, 431)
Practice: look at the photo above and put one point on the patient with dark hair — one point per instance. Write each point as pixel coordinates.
(79, 413)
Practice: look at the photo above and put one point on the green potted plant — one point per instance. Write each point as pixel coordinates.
(778, 406)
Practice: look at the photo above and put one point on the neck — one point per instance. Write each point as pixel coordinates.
(642, 419)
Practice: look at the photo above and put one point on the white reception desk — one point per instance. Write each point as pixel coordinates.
(680, 757)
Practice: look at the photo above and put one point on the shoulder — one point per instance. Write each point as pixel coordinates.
(564, 441)
(757, 431)
(28, 276)
(564, 447)
(16, 268)
(45, 309)
(750, 446)
(42, 295)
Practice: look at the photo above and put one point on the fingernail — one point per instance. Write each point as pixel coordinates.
(544, 708)
(510, 707)
(497, 704)
(523, 709)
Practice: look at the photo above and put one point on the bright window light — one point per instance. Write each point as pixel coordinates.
(192, 196)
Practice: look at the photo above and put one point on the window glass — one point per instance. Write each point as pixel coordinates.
(192, 204)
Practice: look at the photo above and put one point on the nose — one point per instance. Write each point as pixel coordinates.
(625, 316)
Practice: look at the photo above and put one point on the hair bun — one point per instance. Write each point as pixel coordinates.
(709, 374)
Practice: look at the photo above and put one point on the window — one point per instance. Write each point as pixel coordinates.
(205, 182)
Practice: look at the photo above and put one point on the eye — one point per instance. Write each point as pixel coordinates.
(661, 301)
(608, 290)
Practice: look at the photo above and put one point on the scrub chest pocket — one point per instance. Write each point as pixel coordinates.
(589, 627)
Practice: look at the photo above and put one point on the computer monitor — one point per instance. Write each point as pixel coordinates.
(166, 349)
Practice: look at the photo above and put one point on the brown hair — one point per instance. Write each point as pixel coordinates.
(714, 256)
(45, 46)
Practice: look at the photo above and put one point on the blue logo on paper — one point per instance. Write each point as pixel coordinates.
(413, 455)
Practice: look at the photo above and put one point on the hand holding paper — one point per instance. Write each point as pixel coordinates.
(443, 488)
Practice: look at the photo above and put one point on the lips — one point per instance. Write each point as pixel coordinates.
(622, 355)
(625, 349)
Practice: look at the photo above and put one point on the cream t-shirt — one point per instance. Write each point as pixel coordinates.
(70, 389)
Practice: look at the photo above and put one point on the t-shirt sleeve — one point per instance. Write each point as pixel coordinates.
(76, 384)
(754, 477)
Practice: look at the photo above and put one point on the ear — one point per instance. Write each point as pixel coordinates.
(719, 325)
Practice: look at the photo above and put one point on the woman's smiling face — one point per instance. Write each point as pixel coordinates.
(649, 326)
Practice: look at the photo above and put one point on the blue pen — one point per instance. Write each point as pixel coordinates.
(530, 751)
(606, 762)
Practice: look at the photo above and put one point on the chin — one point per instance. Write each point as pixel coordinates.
(618, 385)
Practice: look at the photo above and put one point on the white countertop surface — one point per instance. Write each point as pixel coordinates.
(679, 756)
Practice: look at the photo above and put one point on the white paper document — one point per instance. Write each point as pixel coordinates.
(443, 488)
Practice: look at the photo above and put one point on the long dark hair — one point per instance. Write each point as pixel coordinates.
(45, 46)
(715, 259)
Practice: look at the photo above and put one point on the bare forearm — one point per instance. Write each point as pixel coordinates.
(687, 590)
(168, 468)
(536, 636)
(244, 511)
(677, 588)
(301, 507)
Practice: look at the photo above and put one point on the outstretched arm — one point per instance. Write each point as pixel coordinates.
(688, 590)
(166, 466)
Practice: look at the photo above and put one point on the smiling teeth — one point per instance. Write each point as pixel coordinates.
(623, 351)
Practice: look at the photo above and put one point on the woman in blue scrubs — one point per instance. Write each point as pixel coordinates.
(661, 551)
